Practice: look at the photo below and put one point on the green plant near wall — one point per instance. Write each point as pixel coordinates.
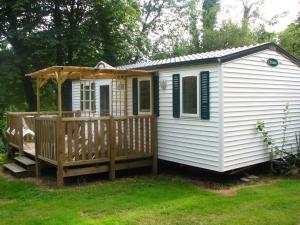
(284, 159)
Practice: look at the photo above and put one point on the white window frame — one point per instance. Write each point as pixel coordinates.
(196, 115)
(83, 101)
(151, 100)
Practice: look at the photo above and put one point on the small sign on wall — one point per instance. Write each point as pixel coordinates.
(272, 62)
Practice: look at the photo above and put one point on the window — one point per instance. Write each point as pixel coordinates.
(144, 96)
(87, 96)
(189, 95)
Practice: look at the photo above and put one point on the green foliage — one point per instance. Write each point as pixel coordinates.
(289, 38)
(11, 91)
(3, 155)
(228, 36)
(210, 11)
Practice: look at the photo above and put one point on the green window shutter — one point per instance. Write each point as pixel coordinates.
(204, 95)
(155, 83)
(135, 106)
(176, 95)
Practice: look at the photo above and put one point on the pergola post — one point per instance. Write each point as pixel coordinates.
(125, 98)
(38, 105)
(59, 84)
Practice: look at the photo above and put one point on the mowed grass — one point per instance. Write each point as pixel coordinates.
(144, 200)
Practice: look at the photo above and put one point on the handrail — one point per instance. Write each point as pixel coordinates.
(86, 118)
(41, 113)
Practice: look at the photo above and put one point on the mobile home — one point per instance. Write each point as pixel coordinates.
(208, 104)
(199, 110)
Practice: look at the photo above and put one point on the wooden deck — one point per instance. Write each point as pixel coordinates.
(86, 145)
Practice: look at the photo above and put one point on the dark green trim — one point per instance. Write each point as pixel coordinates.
(135, 104)
(155, 85)
(176, 95)
(204, 95)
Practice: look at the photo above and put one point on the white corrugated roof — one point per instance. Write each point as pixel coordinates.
(193, 57)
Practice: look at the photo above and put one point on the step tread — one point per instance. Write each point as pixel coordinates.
(13, 167)
(25, 160)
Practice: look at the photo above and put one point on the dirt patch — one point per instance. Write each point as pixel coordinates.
(7, 202)
(91, 214)
(234, 190)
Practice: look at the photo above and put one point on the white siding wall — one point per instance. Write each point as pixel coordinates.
(189, 141)
(252, 91)
(76, 93)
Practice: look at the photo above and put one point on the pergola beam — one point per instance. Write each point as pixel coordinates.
(73, 72)
(62, 73)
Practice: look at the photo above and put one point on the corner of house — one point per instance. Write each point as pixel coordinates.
(221, 118)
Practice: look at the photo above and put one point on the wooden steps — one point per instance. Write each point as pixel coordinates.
(23, 160)
(15, 169)
(21, 167)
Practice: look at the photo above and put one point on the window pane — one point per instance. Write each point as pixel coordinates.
(104, 100)
(189, 95)
(145, 96)
(93, 95)
(87, 105)
(87, 95)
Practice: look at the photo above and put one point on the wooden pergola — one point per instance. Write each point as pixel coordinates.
(79, 145)
(62, 73)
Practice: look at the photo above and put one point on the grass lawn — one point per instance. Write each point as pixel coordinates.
(143, 200)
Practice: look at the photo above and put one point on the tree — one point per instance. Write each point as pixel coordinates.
(289, 38)
(161, 21)
(210, 11)
(194, 26)
(67, 32)
(209, 18)
(11, 91)
(228, 36)
(18, 20)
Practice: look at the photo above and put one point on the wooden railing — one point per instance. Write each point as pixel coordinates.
(14, 130)
(47, 135)
(15, 124)
(102, 143)
(134, 136)
(87, 140)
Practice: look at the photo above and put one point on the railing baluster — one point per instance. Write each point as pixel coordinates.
(126, 136)
(136, 136)
(96, 139)
(83, 140)
(142, 135)
(130, 133)
(89, 139)
(147, 136)
(76, 137)
(102, 141)
(70, 147)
